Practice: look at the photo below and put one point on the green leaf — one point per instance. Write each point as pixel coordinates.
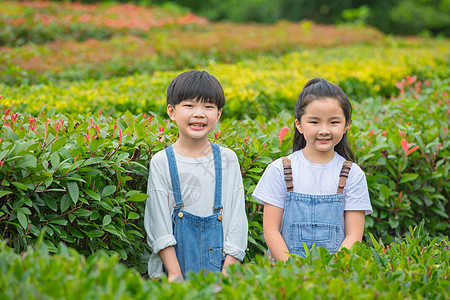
(65, 202)
(108, 190)
(59, 222)
(27, 160)
(385, 191)
(20, 185)
(96, 233)
(82, 212)
(408, 177)
(58, 144)
(51, 203)
(4, 193)
(374, 242)
(393, 222)
(92, 160)
(129, 120)
(74, 192)
(23, 220)
(95, 144)
(138, 197)
(133, 216)
(106, 220)
(76, 233)
(37, 178)
(92, 194)
(55, 160)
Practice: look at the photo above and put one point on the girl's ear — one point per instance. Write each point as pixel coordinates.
(171, 112)
(347, 126)
(298, 126)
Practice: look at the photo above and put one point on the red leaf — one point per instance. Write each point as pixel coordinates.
(405, 145)
(283, 132)
(412, 150)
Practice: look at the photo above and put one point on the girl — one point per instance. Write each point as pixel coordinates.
(316, 195)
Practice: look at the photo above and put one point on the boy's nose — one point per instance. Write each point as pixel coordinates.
(199, 112)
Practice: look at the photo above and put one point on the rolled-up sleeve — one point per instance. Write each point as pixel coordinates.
(236, 234)
(235, 217)
(157, 219)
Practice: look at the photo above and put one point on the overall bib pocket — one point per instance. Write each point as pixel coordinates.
(322, 235)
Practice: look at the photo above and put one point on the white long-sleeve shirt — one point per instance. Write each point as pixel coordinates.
(197, 182)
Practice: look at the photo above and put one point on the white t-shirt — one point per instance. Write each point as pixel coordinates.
(314, 179)
(197, 183)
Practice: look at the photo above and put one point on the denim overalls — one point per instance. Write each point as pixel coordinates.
(199, 239)
(313, 219)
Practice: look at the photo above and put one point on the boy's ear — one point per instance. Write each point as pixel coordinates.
(219, 114)
(171, 112)
(298, 126)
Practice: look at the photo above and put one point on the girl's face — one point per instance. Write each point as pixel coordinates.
(323, 125)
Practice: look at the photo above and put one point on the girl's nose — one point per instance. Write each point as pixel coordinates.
(324, 129)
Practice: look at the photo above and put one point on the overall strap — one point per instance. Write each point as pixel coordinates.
(218, 171)
(288, 174)
(343, 176)
(174, 178)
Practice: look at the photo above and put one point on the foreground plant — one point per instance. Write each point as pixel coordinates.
(414, 266)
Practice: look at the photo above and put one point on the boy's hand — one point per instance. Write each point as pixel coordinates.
(170, 261)
(229, 260)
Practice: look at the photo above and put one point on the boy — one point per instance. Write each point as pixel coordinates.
(195, 214)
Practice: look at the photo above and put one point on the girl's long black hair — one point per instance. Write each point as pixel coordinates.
(316, 89)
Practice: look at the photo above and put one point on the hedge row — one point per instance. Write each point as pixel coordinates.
(262, 86)
(45, 21)
(84, 175)
(413, 267)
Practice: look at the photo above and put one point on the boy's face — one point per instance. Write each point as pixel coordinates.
(194, 119)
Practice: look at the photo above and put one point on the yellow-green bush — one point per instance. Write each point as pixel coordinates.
(263, 86)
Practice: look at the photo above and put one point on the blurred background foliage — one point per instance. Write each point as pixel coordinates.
(403, 17)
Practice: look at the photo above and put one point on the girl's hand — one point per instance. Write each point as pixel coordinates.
(175, 277)
(272, 218)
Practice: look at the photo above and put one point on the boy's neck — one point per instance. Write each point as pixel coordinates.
(192, 149)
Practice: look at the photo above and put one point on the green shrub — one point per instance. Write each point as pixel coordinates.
(84, 176)
(413, 267)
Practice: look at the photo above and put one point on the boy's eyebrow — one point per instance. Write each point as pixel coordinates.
(318, 118)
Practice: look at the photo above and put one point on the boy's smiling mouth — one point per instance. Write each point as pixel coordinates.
(197, 125)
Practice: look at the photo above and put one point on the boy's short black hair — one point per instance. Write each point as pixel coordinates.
(195, 85)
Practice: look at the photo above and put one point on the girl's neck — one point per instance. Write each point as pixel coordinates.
(318, 157)
(192, 149)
